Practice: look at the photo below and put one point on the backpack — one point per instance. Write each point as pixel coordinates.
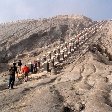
(25, 69)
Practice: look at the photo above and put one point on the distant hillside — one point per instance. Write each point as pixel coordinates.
(27, 35)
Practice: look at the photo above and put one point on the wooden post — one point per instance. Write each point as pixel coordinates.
(72, 47)
(38, 63)
(49, 55)
(56, 59)
(65, 52)
(43, 59)
(51, 64)
(46, 66)
(61, 55)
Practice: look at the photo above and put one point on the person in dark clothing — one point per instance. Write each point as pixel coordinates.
(12, 72)
(35, 67)
(31, 67)
(19, 65)
(38, 64)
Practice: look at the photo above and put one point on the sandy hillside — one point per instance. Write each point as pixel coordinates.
(81, 86)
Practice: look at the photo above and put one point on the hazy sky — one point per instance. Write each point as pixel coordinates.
(11, 10)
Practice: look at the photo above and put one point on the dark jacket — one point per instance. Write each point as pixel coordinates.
(12, 71)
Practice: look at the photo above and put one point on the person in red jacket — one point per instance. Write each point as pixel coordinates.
(25, 71)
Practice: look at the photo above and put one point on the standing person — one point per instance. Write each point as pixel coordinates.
(25, 71)
(19, 65)
(35, 66)
(31, 67)
(38, 64)
(12, 72)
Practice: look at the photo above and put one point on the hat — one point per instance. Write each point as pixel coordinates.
(14, 63)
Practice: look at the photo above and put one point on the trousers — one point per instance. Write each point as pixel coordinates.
(11, 81)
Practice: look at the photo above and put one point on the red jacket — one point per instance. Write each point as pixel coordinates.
(25, 69)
